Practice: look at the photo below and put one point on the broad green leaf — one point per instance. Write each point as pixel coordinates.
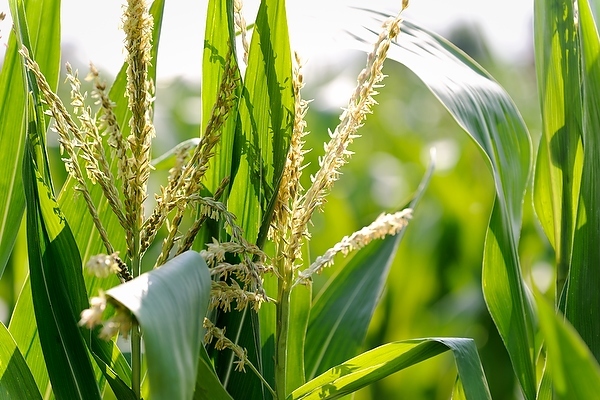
(169, 304)
(16, 380)
(582, 307)
(88, 240)
(57, 287)
(574, 371)
(340, 317)
(219, 42)
(559, 161)
(382, 361)
(208, 386)
(486, 112)
(342, 312)
(266, 114)
(266, 117)
(45, 38)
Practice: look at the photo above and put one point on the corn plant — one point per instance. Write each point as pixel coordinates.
(227, 310)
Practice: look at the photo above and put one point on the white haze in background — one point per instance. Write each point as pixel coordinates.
(92, 28)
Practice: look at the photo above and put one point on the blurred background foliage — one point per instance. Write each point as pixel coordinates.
(434, 287)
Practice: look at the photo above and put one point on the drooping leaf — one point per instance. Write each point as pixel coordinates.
(16, 380)
(383, 361)
(486, 112)
(169, 303)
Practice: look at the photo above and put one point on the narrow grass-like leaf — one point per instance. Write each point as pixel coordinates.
(382, 361)
(574, 370)
(16, 380)
(45, 38)
(486, 112)
(559, 161)
(583, 297)
(169, 304)
(342, 312)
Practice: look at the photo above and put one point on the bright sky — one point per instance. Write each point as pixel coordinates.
(506, 24)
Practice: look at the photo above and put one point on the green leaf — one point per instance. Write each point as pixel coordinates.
(219, 40)
(266, 117)
(575, 372)
(582, 307)
(57, 287)
(208, 386)
(169, 304)
(382, 361)
(341, 314)
(16, 381)
(45, 38)
(486, 112)
(167, 160)
(559, 161)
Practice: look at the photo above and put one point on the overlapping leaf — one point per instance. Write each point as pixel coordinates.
(486, 112)
(382, 361)
(582, 306)
(12, 106)
(341, 315)
(574, 371)
(16, 380)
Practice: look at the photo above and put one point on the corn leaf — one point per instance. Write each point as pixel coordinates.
(382, 361)
(208, 385)
(342, 312)
(266, 114)
(266, 117)
(45, 38)
(486, 112)
(574, 372)
(57, 287)
(169, 304)
(559, 161)
(16, 380)
(582, 307)
(219, 44)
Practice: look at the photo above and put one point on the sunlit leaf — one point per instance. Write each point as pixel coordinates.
(45, 38)
(486, 112)
(582, 307)
(341, 314)
(16, 381)
(382, 361)
(574, 371)
(559, 161)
